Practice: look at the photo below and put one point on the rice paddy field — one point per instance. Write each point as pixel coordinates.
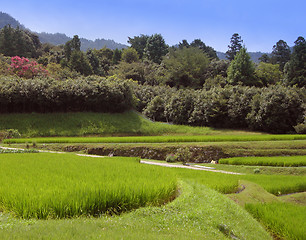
(67, 196)
(284, 219)
(280, 161)
(45, 185)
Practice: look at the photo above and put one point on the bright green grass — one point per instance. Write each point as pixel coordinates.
(197, 213)
(292, 161)
(89, 123)
(64, 185)
(158, 139)
(284, 219)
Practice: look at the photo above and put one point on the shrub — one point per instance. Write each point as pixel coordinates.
(23, 67)
(300, 128)
(171, 158)
(277, 109)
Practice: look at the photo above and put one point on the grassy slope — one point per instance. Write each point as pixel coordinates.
(81, 124)
(199, 213)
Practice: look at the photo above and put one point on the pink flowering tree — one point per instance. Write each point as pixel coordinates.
(25, 68)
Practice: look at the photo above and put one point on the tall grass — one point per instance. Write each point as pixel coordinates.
(64, 185)
(283, 219)
(159, 139)
(292, 161)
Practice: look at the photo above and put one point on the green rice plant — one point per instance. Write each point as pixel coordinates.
(159, 139)
(278, 184)
(289, 161)
(285, 220)
(47, 185)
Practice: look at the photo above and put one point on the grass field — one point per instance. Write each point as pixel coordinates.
(158, 139)
(292, 161)
(65, 185)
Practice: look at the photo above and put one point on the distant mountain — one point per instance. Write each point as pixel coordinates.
(6, 19)
(60, 38)
(254, 56)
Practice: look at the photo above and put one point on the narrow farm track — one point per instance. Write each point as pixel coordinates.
(194, 167)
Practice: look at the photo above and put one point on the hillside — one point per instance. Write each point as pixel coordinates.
(6, 19)
(61, 38)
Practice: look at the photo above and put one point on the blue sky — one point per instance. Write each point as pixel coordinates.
(260, 23)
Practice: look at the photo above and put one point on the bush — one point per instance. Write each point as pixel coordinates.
(171, 158)
(300, 128)
(95, 94)
(277, 110)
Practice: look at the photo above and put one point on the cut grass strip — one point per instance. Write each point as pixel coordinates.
(158, 139)
(291, 161)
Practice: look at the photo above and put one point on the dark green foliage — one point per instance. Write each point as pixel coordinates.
(81, 94)
(277, 109)
(239, 105)
(144, 72)
(186, 67)
(117, 56)
(241, 70)
(210, 108)
(130, 55)
(78, 62)
(267, 73)
(280, 54)
(180, 106)
(139, 43)
(155, 109)
(156, 48)
(234, 47)
(295, 69)
(264, 58)
(197, 43)
(18, 42)
(211, 53)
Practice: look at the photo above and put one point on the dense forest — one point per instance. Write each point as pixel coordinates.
(184, 84)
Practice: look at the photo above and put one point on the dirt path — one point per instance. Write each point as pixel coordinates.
(194, 167)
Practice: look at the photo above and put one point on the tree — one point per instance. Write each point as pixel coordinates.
(280, 54)
(129, 55)
(186, 67)
(80, 63)
(211, 53)
(264, 58)
(17, 42)
(139, 43)
(72, 45)
(234, 47)
(268, 73)
(156, 48)
(117, 56)
(295, 69)
(241, 69)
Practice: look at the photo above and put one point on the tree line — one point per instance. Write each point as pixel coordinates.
(155, 79)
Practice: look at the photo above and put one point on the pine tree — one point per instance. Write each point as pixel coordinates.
(234, 47)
